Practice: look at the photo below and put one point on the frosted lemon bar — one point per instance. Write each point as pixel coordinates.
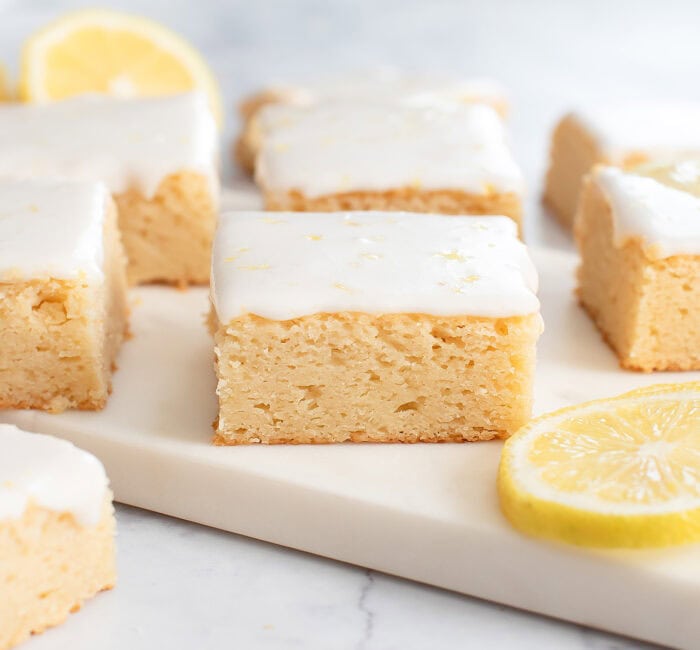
(622, 135)
(63, 306)
(56, 532)
(449, 159)
(371, 327)
(383, 84)
(158, 157)
(639, 236)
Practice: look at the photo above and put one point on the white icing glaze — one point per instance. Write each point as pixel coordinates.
(125, 143)
(50, 472)
(282, 265)
(654, 128)
(393, 85)
(665, 219)
(347, 146)
(51, 229)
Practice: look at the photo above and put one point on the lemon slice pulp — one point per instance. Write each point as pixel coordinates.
(621, 472)
(102, 51)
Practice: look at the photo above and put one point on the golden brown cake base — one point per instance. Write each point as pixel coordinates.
(60, 338)
(49, 565)
(168, 237)
(573, 153)
(647, 310)
(404, 199)
(244, 152)
(354, 377)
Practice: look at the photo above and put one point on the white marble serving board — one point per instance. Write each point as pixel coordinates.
(425, 512)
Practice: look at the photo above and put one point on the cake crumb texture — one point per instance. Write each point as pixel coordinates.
(645, 309)
(330, 378)
(49, 565)
(168, 237)
(407, 199)
(60, 338)
(573, 153)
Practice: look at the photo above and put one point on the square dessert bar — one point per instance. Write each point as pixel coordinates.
(622, 135)
(157, 156)
(639, 237)
(63, 311)
(444, 158)
(56, 532)
(383, 84)
(371, 327)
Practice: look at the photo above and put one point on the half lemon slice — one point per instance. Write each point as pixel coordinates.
(619, 472)
(102, 51)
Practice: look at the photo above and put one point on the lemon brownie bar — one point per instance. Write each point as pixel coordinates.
(639, 237)
(622, 135)
(56, 532)
(383, 84)
(371, 327)
(63, 305)
(448, 159)
(158, 156)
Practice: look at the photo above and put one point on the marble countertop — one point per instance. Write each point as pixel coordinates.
(185, 586)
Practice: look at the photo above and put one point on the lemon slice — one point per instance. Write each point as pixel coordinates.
(620, 472)
(102, 51)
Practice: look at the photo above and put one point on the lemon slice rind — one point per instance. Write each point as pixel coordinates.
(537, 508)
